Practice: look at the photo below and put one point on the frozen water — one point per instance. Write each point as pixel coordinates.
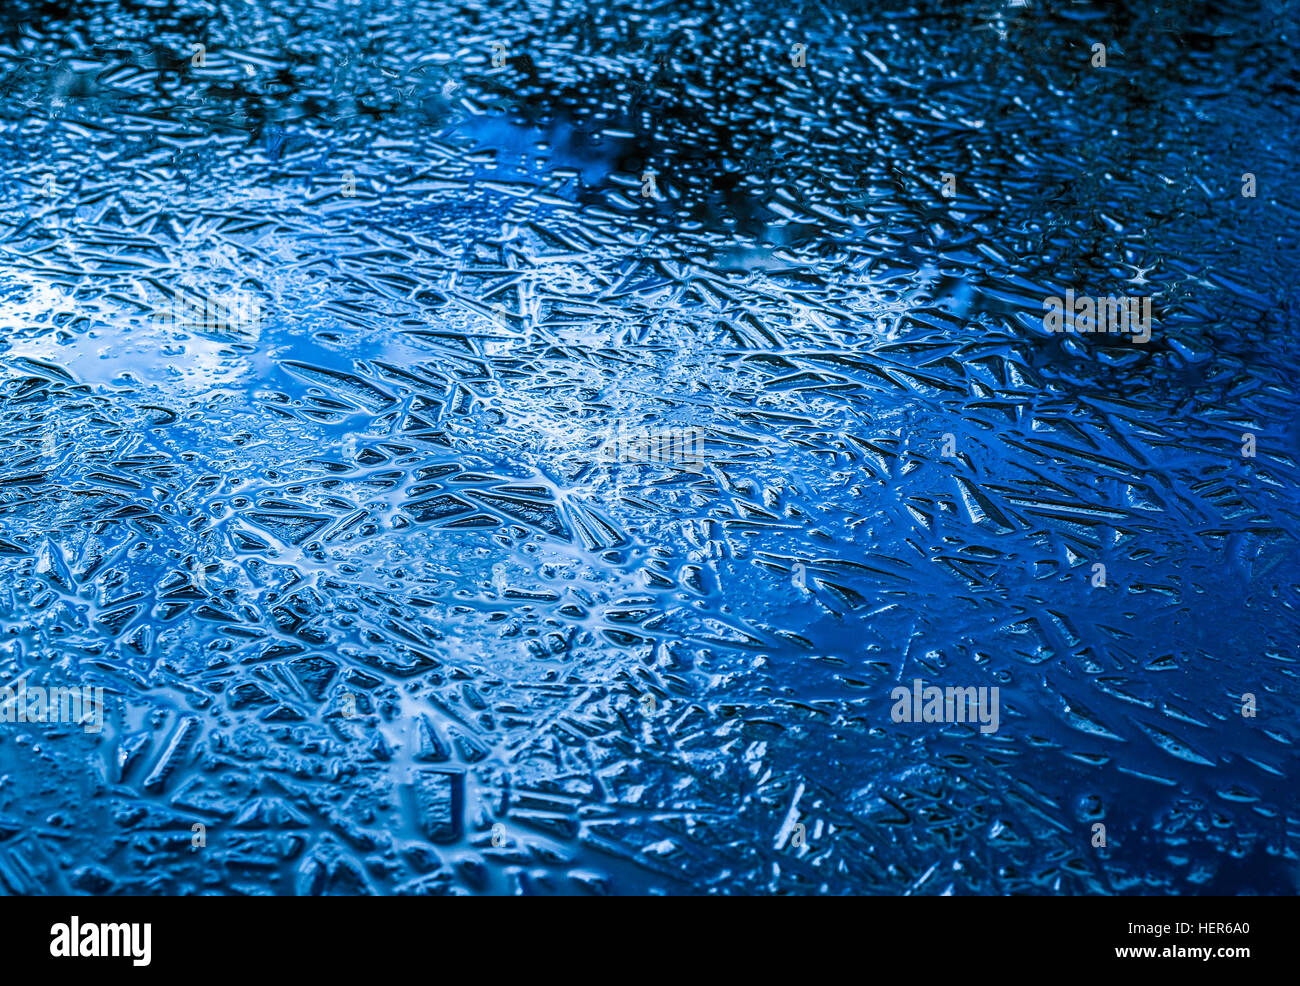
(521, 447)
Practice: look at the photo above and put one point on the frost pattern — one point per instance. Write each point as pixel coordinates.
(372, 608)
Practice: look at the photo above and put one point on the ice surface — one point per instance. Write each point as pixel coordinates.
(501, 448)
